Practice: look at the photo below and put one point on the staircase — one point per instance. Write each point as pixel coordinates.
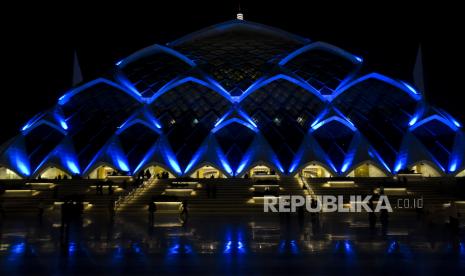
(137, 201)
(233, 196)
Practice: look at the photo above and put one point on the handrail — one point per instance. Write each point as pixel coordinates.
(130, 194)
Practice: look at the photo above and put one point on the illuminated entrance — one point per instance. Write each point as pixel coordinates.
(261, 170)
(6, 173)
(54, 173)
(315, 170)
(425, 170)
(366, 170)
(208, 172)
(102, 172)
(157, 171)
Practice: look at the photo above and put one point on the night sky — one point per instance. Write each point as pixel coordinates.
(38, 41)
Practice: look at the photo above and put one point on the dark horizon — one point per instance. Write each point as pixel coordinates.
(40, 46)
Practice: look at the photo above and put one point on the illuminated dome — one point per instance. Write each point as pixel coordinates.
(234, 96)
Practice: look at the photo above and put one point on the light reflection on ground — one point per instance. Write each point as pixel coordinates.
(231, 245)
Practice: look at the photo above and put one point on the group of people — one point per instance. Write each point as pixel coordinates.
(99, 188)
(148, 175)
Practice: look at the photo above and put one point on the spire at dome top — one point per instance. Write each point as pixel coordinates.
(240, 15)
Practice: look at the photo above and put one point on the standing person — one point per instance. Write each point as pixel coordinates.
(110, 188)
(152, 210)
(384, 219)
(184, 211)
(41, 211)
(55, 192)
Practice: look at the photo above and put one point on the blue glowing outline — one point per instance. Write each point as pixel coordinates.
(234, 120)
(32, 121)
(224, 161)
(263, 81)
(40, 122)
(195, 158)
(15, 158)
(131, 122)
(70, 94)
(106, 149)
(418, 114)
(319, 45)
(64, 158)
(453, 164)
(450, 118)
(167, 153)
(381, 160)
(343, 121)
(246, 166)
(348, 159)
(154, 49)
(399, 84)
(181, 80)
(436, 117)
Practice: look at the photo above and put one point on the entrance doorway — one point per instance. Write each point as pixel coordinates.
(314, 170)
(102, 172)
(207, 172)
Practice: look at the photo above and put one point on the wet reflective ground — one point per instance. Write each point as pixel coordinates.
(338, 243)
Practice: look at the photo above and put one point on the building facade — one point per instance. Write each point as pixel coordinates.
(236, 97)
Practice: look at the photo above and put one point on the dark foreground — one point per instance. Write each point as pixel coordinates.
(338, 244)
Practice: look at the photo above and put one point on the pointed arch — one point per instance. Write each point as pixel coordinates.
(52, 171)
(250, 166)
(100, 170)
(197, 170)
(461, 173)
(367, 168)
(314, 164)
(149, 165)
(426, 168)
(7, 173)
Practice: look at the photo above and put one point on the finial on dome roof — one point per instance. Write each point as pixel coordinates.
(240, 15)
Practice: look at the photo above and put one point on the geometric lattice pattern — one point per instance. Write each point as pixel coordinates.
(233, 95)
